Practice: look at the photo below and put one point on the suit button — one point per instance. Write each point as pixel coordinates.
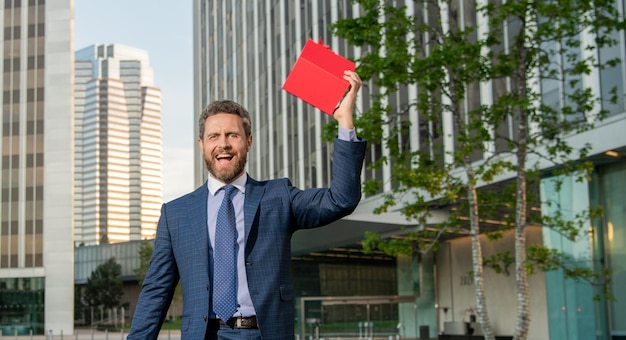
(205, 318)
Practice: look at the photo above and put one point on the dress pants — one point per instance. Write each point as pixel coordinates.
(226, 333)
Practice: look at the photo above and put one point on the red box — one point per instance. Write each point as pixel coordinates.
(317, 76)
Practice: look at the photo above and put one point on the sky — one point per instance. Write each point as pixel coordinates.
(163, 28)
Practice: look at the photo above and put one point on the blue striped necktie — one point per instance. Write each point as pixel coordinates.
(225, 258)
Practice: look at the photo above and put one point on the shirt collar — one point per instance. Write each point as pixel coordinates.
(214, 184)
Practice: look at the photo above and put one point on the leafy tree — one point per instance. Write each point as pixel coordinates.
(449, 60)
(145, 253)
(79, 305)
(104, 286)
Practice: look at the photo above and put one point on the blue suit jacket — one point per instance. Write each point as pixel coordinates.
(273, 211)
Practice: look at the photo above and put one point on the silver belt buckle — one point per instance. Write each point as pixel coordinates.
(239, 321)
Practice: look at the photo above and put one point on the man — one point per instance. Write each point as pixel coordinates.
(188, 244)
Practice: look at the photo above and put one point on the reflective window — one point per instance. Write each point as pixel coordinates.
(570, 302)
(22, 306)
(612, 190)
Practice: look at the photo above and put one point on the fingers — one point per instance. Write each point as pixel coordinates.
(343, 114)
(354, 80)
(355, 84)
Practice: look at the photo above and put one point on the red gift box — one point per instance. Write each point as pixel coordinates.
(317, 76)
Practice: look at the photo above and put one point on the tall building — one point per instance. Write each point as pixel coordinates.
(244, 50)
(118, 169)
(36, 283)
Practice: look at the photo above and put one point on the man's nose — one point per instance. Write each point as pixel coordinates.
(223, 141)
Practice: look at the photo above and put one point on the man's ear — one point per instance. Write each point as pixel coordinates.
(249, 142)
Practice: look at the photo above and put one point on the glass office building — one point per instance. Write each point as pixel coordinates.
(118, 145)
(36, 282)
(244, 51)
(575, 312)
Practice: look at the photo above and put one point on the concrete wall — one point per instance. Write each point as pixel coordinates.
(455, 287)
(58, 170)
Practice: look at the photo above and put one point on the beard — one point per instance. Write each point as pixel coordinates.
(226, 175)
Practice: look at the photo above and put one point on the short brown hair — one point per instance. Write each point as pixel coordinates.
(226, 106)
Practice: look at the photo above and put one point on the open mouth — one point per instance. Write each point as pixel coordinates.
(224, 158)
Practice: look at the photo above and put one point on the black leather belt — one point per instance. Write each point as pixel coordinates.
(240, 322)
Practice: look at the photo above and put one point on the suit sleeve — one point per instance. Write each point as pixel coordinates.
(321, 206)
(158, 286)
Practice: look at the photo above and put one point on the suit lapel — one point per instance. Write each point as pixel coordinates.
(254, 192)
(198, 215)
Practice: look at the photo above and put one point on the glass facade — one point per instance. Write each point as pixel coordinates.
(22, 306)
(88, 258)
(570, 302)
(118, 145)
(331, 288)
(575, 308)
(610, 191)
(22, 180)
(237, 62)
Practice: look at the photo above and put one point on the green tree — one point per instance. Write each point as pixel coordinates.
(79, 306)
(145, 253)
(104, 286)
(450, 60)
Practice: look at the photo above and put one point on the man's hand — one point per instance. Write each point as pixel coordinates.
(343, 114)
